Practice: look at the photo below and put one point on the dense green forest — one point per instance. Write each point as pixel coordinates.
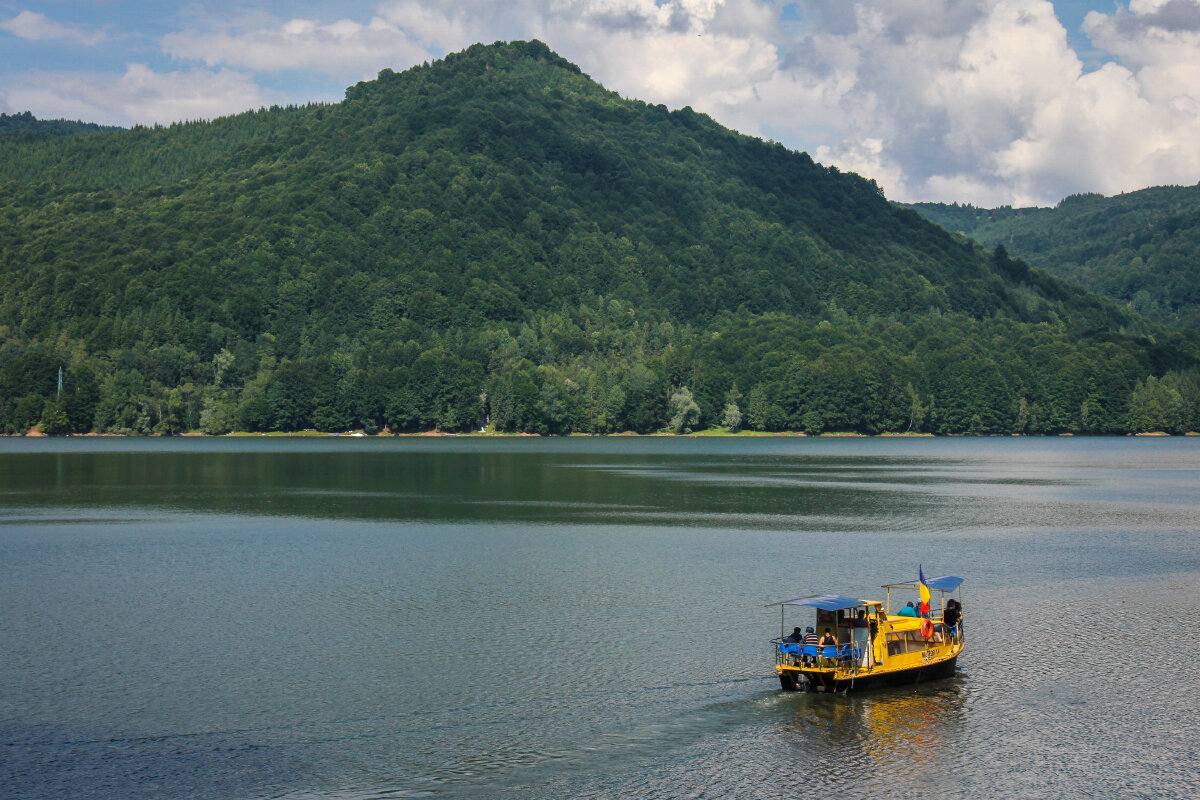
(27, 128)
(1141, 249)
(495, 239)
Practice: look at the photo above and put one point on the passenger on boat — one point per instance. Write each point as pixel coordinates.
(828, 640)
(861, 620)
(810, 638)
(908, 611)
(951, 617)
(795, 637)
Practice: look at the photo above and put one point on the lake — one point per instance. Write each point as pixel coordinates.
(585, 617)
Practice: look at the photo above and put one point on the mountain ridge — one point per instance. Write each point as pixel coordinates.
(1141, 249)
(495, 238)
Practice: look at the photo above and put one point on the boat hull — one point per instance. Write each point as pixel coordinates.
(817, 681)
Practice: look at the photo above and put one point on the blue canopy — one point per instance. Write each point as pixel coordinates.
(828, 602)
(946, 583)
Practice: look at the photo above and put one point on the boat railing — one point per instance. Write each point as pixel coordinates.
(795, 654)
(953, 633)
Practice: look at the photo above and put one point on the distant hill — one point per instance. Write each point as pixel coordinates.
(25, 127)
(494, 238)
(1141, 249)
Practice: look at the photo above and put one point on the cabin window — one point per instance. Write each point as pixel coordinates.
(905, 642)
(895, 644)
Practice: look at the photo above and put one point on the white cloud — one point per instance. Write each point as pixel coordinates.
(1161, 48)
(340, 48)
(37, 27)
(710, 71)
(1136, 122)
(139, 95)
(438, 27)
(984, 100)
(925, 97)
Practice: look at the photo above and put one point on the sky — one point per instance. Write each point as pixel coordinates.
(990, 102)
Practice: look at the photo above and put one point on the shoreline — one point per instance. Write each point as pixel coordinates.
(706, 433)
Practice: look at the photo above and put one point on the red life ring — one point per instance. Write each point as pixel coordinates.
(927, 628)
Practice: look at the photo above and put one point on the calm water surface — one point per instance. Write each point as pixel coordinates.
(585, 618)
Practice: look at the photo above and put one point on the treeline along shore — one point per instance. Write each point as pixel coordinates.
(847, 390)
(494, 241)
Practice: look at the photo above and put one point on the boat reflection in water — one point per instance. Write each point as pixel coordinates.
(907, 737)
(865, 645)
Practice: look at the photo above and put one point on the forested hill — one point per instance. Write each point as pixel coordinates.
(496, 239)
(27, 128)
(1141, 249)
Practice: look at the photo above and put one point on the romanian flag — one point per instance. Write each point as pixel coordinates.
(924, 591)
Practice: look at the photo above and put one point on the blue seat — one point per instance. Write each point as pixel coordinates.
(789, 647)
(810, 650)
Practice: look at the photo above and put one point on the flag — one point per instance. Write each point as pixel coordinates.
(924, 591)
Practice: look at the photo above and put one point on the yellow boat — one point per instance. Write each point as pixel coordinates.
(874, 646)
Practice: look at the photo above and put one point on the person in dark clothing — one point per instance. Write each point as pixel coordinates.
(792, 654)
(826, 641)
(951, 617)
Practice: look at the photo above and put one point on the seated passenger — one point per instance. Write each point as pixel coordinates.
(810, 638)
(795, 637)
(828, 640)
(908, 611)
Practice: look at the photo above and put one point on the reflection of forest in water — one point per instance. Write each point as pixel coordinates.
(491, 482)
